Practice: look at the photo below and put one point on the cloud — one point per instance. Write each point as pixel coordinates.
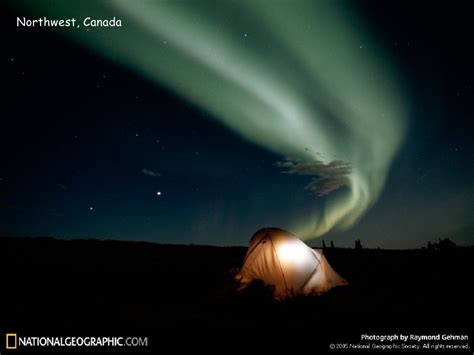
(151, 173)
(326, 177)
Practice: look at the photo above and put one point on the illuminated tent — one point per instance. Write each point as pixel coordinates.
(281, 260)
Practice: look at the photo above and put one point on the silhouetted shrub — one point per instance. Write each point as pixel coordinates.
(257, 291)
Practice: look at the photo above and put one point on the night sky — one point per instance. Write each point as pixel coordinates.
(203, 122)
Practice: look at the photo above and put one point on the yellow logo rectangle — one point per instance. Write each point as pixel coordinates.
(11, 342)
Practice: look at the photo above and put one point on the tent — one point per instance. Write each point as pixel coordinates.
(280, 259)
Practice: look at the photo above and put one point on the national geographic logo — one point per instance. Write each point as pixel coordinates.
(11, 341)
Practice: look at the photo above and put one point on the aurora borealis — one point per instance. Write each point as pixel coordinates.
(316, 97)
(311, 83)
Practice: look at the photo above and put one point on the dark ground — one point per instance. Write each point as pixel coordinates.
(103, 285)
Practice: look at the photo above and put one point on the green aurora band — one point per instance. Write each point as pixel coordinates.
(303, 79)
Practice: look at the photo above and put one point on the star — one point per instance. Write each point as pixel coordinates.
(91, 208)
(136, 134)
(245, 35)
(360, 46)
(158, 193)
(165, 42)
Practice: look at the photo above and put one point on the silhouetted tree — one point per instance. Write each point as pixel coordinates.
(358, 244)
(332, 244)
(441, 244)
(324, 244)
(446, 244)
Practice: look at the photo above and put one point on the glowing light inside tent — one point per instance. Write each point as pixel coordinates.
(293, 253)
